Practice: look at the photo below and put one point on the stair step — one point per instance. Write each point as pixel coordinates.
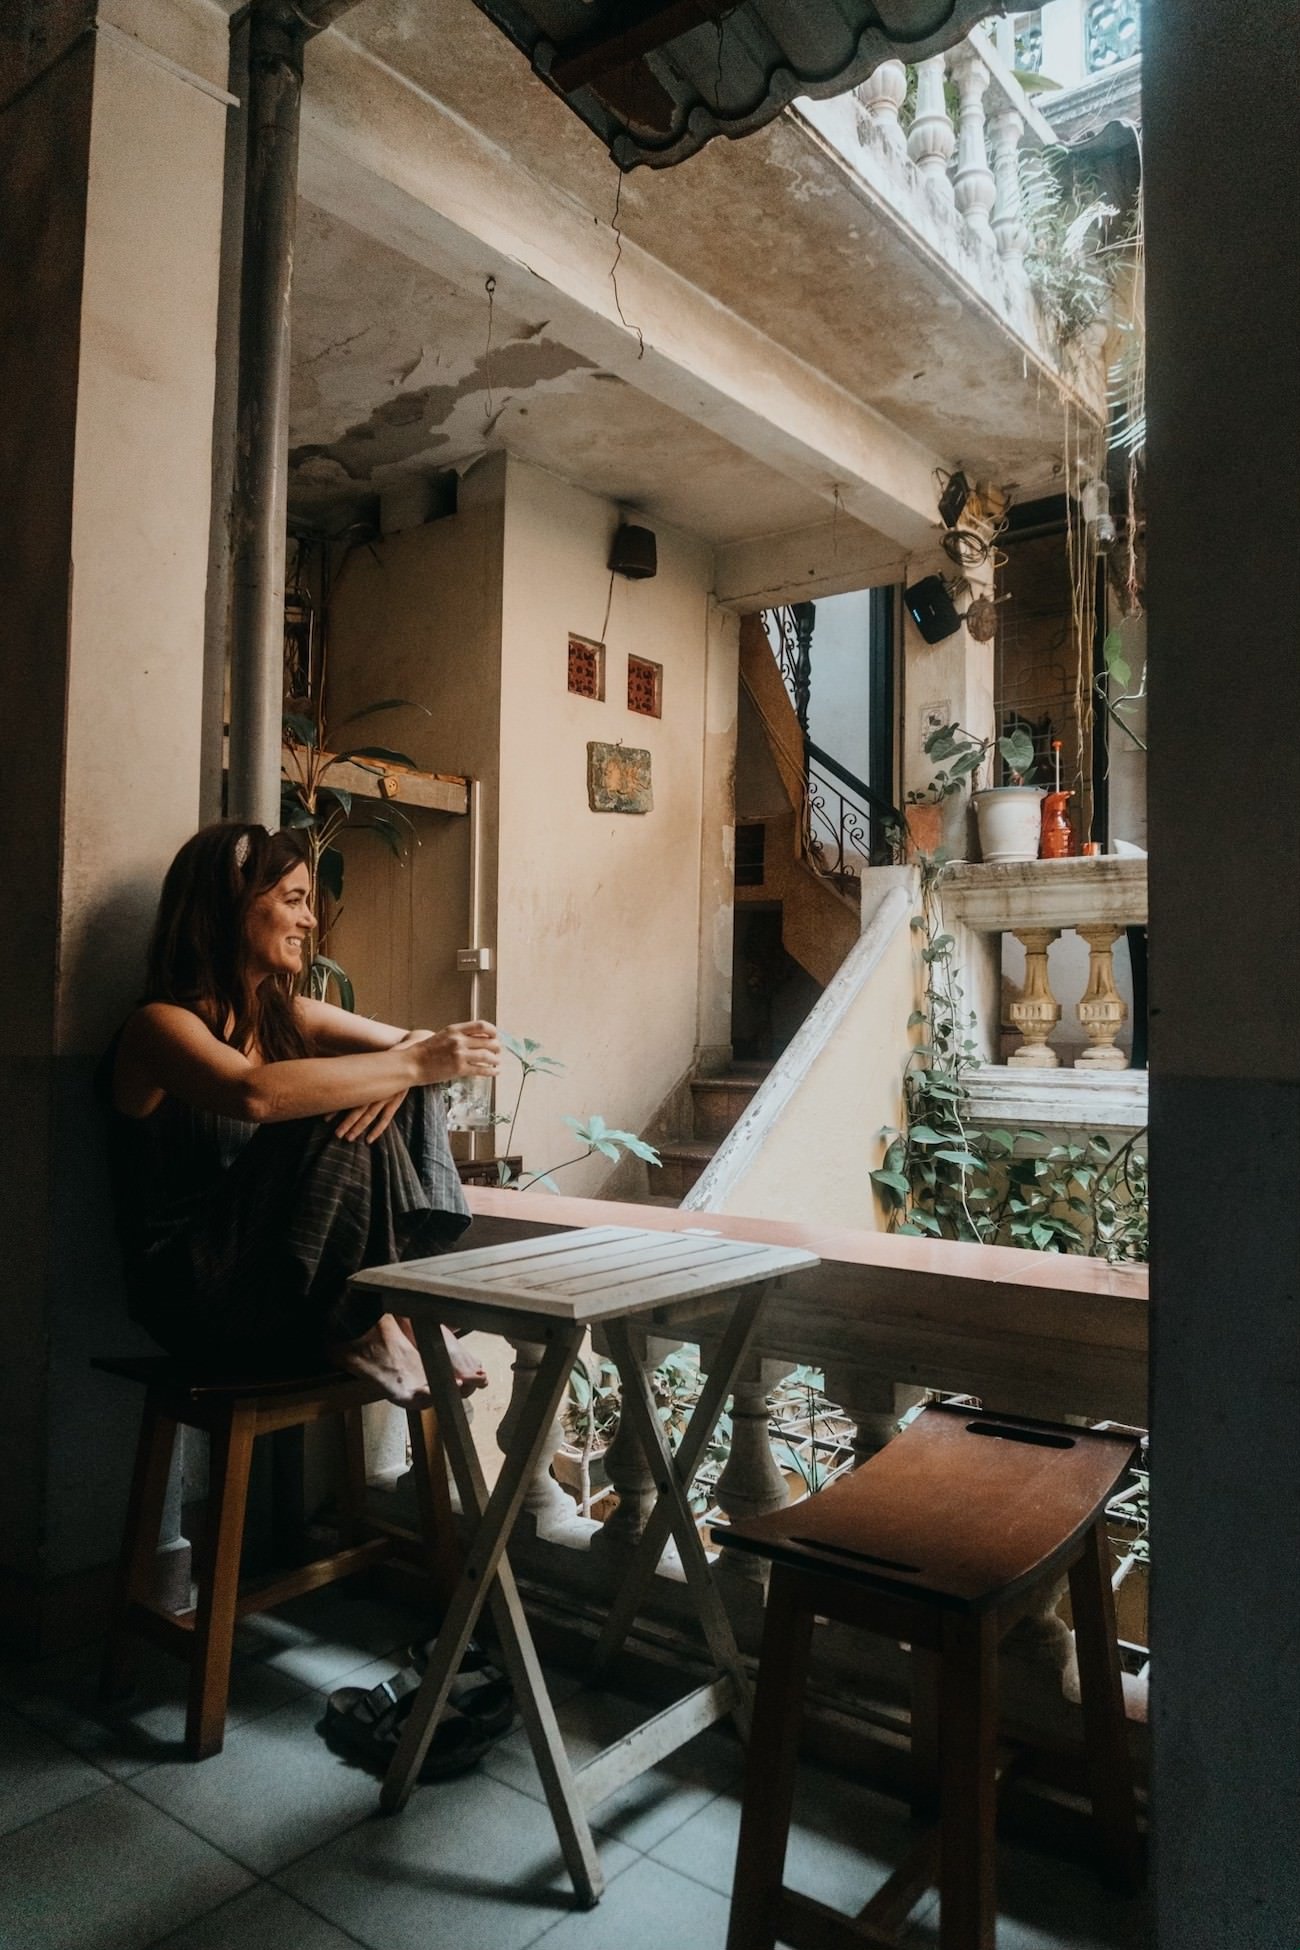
(684, 1159)
(719, 1102)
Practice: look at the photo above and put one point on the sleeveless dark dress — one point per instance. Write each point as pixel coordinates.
(239, 1240)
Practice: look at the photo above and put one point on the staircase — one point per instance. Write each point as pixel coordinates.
(820, 911)
(715, 1105)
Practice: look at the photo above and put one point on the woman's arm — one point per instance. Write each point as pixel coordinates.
(339, 1032)
(167, 1050)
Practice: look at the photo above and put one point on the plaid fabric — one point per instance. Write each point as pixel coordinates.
(260, 1272)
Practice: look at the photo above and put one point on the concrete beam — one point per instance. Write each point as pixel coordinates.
(827, 560)
(381, 155)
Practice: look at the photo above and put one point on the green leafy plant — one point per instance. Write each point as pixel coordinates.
(967, 754)
(595, 1136)
(1065, 264)
(1120, 671)
(313, 802)
(943, 1176)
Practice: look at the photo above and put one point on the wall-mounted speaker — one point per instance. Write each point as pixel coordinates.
(633, 553)
(932, 609)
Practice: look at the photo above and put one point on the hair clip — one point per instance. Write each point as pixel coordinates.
(243, 847)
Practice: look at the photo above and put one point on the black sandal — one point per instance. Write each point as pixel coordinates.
(367, 1725)
(480, 1690)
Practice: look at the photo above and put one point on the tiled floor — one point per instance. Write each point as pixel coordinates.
(109, 1840)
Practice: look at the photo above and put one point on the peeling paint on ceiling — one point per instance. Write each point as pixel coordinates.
(410, 424)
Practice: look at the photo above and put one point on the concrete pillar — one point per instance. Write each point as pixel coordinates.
(113, 157)
(1223, 240)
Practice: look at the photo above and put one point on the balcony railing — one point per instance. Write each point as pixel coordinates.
(1038, 901)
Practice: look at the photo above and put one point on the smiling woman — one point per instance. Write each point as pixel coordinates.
(265, 1146)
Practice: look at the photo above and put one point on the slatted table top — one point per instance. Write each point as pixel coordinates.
(590, 1275)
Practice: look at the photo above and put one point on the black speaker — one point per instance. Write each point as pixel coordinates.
(633, 553)
(932, 609)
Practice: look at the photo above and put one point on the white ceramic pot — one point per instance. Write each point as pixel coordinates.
(1010, 819)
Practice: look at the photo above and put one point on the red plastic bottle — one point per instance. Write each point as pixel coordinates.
(1056, 840)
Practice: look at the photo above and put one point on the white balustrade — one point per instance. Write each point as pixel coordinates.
(882, 96)
(974, 186)
(1006, 127)
(932, 138)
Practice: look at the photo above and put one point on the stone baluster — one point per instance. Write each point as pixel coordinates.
(882, 95)
(974, 186)
(932, 138)
(626, 1466)
(751, 1482)
(171, 1571)
(1102, 1009)
(553, 1511)
(875, 1404)
(1036, 1011)
(1005, 130)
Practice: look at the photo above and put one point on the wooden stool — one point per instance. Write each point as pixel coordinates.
(942, 1541)
(234, 1414)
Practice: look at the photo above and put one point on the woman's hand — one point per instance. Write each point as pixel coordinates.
(369, 1121)
(463, 1049)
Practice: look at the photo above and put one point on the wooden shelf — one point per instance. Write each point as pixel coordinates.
(394, 785)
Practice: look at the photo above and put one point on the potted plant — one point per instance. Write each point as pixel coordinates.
(1009, 816)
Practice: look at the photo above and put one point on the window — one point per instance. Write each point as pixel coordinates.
(645, 687)
(751, 841)
(586, 668)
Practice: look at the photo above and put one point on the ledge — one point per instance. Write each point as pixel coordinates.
(1074, 1100)
(1047, 894)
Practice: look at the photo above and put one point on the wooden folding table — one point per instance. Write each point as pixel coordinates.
(551, 1291)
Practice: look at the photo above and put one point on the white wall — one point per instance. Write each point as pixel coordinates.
(419, 617)
(600, 917)
(612, 932)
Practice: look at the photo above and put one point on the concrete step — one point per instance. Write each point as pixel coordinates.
(719, 1102)
(684, 1159)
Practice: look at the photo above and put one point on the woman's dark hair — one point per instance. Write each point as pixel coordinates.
(196, 956)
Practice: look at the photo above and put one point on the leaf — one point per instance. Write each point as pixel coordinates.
(1117, 664)
(893, 1181)
(379, 752)
(927, 1222)
(299, 730)
(387, 704)
(917, 1016)
(966, 1159)
(340, 978)
(387, 832)
(924, 1134)
(1018, 751)
(329, 872)
(342, 799)
(297, 818)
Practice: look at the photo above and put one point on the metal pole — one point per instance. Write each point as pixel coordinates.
(261, 460)
(225, 413)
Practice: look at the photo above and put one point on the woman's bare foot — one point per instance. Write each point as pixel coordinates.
(386, 1356)
(470, 1374)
